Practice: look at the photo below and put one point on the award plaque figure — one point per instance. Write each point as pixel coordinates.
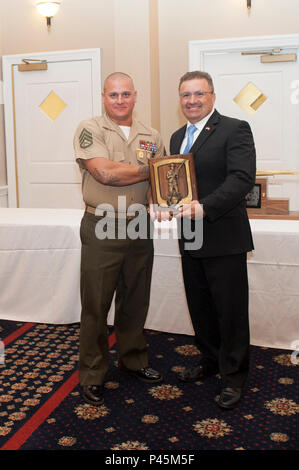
(173, 180)
(174, 195)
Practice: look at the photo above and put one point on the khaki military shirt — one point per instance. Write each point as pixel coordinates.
(101, 137)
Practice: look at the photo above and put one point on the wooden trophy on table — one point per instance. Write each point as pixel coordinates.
(260, 206)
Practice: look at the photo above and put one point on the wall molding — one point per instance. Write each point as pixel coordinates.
(3, 196)
(1, 92)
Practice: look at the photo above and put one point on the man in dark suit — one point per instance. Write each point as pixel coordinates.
(215, 276)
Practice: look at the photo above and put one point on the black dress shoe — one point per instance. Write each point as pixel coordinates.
(93, 394)
(146, 374)
(196, 373)
(229, 397)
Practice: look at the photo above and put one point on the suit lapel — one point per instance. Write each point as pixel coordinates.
(178, 139)
(206, 133)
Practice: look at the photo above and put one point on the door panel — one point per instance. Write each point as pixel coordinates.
(44, 136)
(48, 106)
(55, 196)
(270, 122)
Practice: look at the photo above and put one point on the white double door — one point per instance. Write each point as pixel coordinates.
(273, 96)
(43, 110)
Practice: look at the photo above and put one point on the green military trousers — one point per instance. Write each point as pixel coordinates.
(108, 266)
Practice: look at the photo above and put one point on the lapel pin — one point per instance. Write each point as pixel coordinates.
(208, 128)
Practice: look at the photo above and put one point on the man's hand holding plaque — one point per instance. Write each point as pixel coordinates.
(194, 211)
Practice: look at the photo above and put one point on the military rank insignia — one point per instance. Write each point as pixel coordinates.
(85, 139)
(146, 150)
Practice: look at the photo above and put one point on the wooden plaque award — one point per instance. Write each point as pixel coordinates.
(173, 180)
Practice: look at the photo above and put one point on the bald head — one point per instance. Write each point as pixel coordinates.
(117, 76)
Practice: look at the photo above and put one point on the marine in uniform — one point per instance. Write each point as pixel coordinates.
(113, 151)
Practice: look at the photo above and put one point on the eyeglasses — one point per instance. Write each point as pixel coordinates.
(197, 94)
(126, 95)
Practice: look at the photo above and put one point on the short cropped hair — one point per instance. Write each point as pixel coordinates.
(117, 75)
(197, 74)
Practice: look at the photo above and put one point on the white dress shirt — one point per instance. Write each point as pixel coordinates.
(200, 125)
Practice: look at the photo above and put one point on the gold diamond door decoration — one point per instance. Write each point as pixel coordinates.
(53, 106)
(250, 98)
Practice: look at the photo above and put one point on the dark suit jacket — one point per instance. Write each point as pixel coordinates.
(224, 156)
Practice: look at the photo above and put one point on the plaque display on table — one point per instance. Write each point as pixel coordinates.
(173, 180)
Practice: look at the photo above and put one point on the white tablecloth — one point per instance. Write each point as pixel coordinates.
(273, 270)
(40, 275)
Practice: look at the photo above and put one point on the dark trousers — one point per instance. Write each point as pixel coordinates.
(217, 295)
(111, 266)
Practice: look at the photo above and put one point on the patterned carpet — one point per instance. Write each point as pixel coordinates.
(41, 406)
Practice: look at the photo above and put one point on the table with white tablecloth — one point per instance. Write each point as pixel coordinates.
(40, 265)
(40, 275)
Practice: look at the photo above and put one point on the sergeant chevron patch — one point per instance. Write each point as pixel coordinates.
(85, 139)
